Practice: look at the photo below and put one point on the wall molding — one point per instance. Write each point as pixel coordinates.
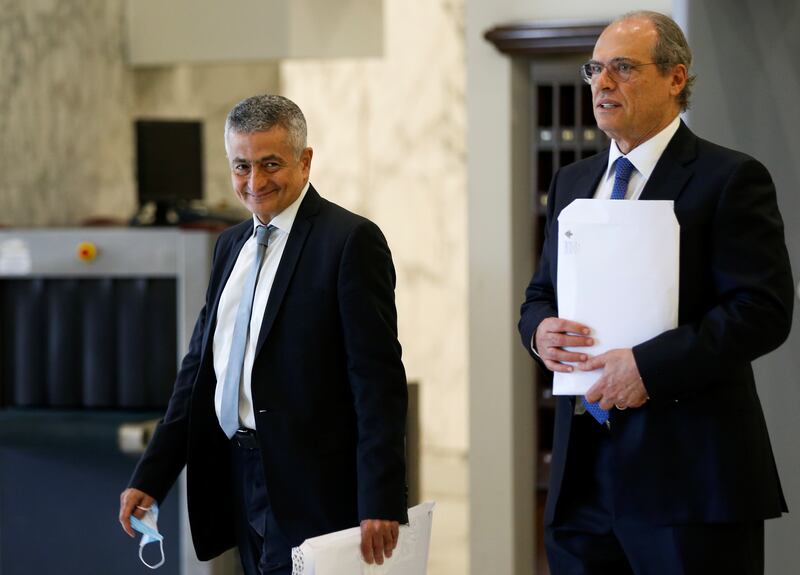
(533, 38)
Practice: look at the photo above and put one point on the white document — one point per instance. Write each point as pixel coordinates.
(339, 553)
(618, 265)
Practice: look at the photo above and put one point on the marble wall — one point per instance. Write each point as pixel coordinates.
(66, 146)
(69, 98)
(389, 143)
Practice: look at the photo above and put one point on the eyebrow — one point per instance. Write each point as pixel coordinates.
(617, 59)
(270, 157)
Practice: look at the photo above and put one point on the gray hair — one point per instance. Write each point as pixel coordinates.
(260, 113)
(670, 50)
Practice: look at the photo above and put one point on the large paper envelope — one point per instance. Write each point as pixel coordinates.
(618, 274)
(339, 553)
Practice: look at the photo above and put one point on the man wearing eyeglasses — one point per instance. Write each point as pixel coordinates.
(665, 466)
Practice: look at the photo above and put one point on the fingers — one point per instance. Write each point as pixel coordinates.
(620, 385)
(377, 547)
(378, 539)
(609, 402)
(126, 507)
(366, 542)
(606, 394)
(553, 335)
(597, 391)
(592, 363)
(566, 326)
(556, 359)
(558, 366)
(557, 332)
(131, 502)
(558, 339)
(389, 542)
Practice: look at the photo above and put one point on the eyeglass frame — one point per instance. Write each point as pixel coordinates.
(613, 69)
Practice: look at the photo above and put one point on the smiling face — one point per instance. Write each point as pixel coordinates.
(634, 111)
(266, 174)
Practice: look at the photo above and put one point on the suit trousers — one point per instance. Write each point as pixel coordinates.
(586, 538)
(262, 547)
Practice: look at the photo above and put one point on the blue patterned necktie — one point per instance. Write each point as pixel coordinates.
(622, 173)
(229, 409)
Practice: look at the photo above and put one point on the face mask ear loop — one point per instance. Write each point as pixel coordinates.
(160, 563)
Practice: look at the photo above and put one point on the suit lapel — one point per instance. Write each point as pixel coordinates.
(586, 183)
(291, 254)
(671, 175)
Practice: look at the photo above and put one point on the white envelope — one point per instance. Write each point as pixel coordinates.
(618, 265)
(339, 553)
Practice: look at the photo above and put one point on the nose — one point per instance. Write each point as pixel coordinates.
(602, 84)
(258, 178)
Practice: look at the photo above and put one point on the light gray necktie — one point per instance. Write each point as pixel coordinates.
(229, 409)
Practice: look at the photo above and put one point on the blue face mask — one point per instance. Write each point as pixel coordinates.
(148, 527)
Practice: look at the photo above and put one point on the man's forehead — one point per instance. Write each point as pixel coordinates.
(257, 145)
(628, 38)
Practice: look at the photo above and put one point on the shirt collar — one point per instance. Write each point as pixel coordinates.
(285, 220)
(644, 157)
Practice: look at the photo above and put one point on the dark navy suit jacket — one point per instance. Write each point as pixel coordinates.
(329, 389)
(698, 450)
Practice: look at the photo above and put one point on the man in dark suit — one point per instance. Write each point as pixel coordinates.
(665, 466)
(318, 444)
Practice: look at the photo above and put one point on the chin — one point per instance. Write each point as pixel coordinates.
(607, 128)
(265, 204)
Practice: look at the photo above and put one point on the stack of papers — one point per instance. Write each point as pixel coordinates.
(618, 264)
(339, 553)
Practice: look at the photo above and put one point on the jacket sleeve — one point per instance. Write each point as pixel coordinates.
(752, 285)
(165, 456)
(540, 297)
(366, 281)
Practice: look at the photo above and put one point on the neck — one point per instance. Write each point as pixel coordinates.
(627, 145)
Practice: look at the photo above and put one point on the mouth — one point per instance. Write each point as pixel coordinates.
(606, 105)
(260, 195)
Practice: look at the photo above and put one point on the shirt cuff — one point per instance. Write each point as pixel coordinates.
(533, 348)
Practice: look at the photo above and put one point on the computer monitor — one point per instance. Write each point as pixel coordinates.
(169, 163)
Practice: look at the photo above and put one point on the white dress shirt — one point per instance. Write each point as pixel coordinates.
(229, 305)
(644, 158)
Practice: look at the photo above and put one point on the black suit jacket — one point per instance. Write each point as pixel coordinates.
(329, 389)
(699, 449)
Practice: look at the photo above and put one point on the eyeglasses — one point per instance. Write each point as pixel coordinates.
(619, 70)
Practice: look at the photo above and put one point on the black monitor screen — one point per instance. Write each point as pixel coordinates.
(169, 160)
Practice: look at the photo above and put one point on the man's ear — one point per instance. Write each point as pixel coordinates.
(305, 160)
(678, 76)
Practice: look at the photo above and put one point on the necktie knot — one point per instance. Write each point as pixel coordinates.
(622, 174)
(263, 233)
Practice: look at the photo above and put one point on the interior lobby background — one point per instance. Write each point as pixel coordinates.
(419, 140)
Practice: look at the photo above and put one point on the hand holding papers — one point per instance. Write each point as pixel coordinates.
(339, 553)
(618, 267)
